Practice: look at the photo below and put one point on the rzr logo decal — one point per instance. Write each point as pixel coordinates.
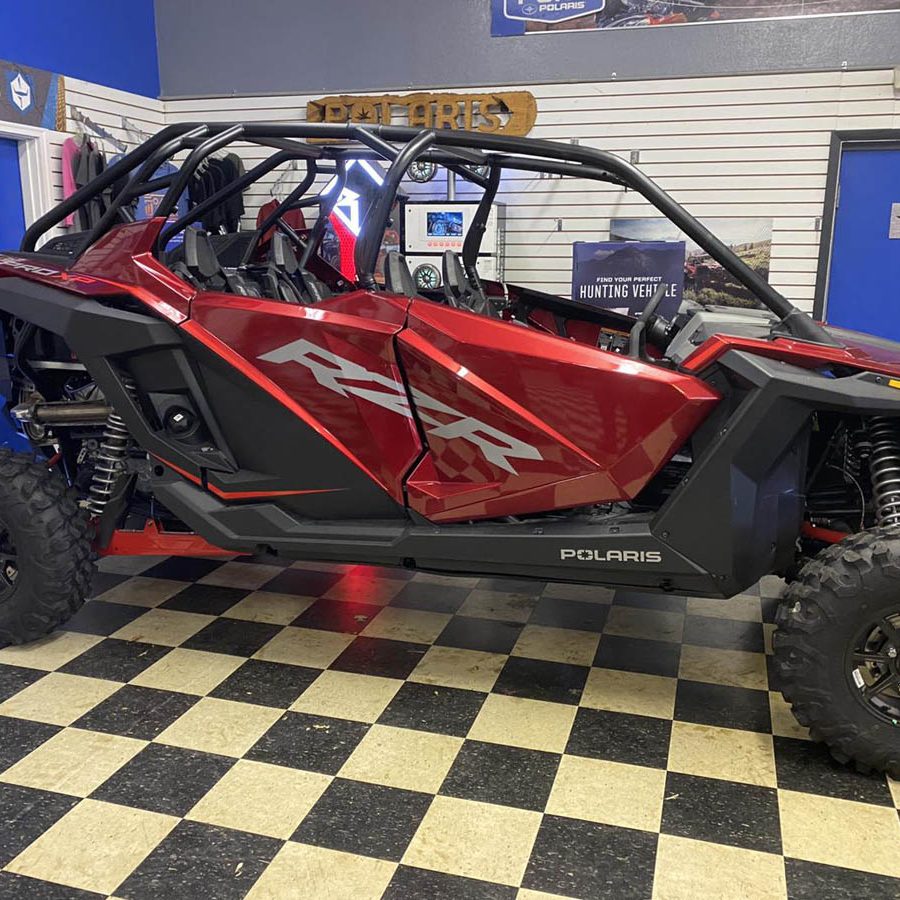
(13, 262)
(347, 378)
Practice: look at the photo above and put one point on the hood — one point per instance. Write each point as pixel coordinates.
(868, 351)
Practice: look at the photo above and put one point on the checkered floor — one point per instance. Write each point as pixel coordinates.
(210, 729)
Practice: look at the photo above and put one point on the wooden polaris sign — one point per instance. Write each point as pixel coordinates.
(500, 112)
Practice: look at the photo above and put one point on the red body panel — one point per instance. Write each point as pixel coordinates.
(518, 421)
(860, 351)
(336, 357)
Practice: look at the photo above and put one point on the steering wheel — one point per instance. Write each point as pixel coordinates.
(637, 339)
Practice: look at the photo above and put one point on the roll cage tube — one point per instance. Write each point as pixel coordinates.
(475, 234)
(452, 148)
(326, 207)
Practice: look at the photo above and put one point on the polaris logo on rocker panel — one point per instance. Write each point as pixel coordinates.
(625, 556)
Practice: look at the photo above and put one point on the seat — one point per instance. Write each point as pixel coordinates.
(287, 280)
(459, 290)
(397, 277)
(201, 267)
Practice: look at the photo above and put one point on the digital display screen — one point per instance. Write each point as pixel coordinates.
(445, 224)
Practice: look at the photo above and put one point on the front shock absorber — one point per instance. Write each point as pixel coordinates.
(884, 468)
(110, 463)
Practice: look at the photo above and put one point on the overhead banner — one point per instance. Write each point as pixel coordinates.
(623, 275)
(517, 17)
(32, 97)
(705, 281)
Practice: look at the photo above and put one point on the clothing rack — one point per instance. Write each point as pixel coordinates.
(88, 124)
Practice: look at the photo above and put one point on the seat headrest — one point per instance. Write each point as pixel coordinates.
(282, 254)
(199, 254)
(397, 277)
(456, 284)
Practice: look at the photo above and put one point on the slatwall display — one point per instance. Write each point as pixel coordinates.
(106, 107)
(736, 146)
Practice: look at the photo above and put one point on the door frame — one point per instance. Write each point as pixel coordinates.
(873, 138)
(34, 168)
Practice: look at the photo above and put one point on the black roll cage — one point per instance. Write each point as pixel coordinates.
(400, 146)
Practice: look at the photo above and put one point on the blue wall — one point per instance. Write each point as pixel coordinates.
(111, 42)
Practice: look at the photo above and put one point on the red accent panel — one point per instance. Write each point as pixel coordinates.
(600, 425)
(358, 328)
(828, 535)
(239, 495)
(153, 542)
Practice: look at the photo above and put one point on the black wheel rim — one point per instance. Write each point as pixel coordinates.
(9, 564)
(874, 667)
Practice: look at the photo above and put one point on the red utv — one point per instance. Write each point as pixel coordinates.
(221, 399)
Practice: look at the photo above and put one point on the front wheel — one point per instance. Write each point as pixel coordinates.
(837, 649)
(45, 550)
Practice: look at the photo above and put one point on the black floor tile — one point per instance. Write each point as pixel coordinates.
(428, 707)
(338, 615)
(524, 586)
(377, 656)
(115, 660)
(265, 559)
(198, 860)
(480, 634)
(495, 773)
(537, 679)
(769, 609)
(183, 568)
(728, 707)
(233, 636)
(164, 779)
(727, 634)
(620, 737)
(814, 881)
(664, 602)
(209, 599)
(559, 613)
(809, 767)
(20, 887)
(14, 678)
(100, 617)
(443, 598)
(722, 812)
(638, 655)
(25, 814)
(105, 581)
(582, 859)
(304, 582)
(137, 712)
(18, 737)
(266, 683)
(410, 883)
(303, 741)
(367, 819)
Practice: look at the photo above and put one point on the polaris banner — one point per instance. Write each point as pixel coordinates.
(623, 275)
(32, 97)
(516, 17)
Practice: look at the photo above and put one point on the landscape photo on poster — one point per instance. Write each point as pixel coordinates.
(705, 281)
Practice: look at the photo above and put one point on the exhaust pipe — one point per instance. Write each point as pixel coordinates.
(82, 412)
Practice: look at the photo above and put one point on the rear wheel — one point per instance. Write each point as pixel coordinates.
(837, 649)
(45, 550)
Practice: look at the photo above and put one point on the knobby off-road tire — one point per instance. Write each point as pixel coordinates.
(48, 536)
(839, 598)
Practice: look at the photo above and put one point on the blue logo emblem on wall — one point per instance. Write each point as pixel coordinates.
(551, 10)
(20, 91)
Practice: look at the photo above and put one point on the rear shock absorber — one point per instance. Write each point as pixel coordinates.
(884, 467)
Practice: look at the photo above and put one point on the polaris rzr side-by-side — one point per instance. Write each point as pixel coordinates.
(188, 393)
